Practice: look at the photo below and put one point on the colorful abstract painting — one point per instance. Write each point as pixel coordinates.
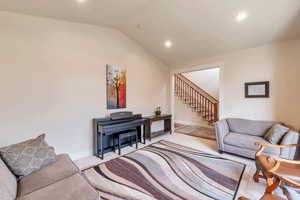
(116, 87)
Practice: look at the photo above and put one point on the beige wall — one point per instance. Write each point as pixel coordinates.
(207, 79)
(53, 80)
(277, 63)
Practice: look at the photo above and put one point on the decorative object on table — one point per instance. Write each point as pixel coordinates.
(116, 87)
(166, 170)
(29, 156)
(257, 89)
(167, 124)
(158, 110)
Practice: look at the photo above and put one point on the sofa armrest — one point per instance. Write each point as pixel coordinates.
(290, 138)
(222, 129)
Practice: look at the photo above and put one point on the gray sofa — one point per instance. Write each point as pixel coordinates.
(60, 181)
(238, 136)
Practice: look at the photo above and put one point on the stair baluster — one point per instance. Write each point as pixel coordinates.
(199, 100)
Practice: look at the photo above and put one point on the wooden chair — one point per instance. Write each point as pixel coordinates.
(268, 166)
(269, 190)
(265, 197)
(275, 171)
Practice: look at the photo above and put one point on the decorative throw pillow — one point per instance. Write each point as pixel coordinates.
(275, 134)
(27, 157)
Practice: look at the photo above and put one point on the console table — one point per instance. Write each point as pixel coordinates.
(167, 124)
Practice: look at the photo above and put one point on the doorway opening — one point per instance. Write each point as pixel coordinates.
(196, 102)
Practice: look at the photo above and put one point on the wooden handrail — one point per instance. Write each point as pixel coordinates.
(197, 98)
(196, 87)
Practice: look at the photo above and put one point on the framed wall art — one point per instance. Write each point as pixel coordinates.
(257, 89)
(116, 87)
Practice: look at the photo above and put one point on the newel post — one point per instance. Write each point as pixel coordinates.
(216, 113)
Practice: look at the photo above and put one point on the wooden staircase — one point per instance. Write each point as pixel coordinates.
(199, 100)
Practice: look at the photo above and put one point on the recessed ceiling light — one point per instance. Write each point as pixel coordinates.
(168, 43)
(81, 1)
(241, 16)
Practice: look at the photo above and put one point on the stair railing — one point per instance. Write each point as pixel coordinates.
(198, 99)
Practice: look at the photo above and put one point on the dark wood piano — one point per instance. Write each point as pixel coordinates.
(105, 128)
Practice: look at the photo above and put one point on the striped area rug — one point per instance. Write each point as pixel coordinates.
(167, 171)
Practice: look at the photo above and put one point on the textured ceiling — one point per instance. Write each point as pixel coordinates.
(197, 28)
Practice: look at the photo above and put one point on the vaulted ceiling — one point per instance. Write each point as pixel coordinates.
(197, 28)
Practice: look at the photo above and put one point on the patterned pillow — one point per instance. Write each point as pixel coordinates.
(27, 157)
(275, 134)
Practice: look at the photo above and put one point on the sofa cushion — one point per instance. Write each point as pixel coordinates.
(249, 127)
(72, 188)
(29, 156)
(248, 142)
(8, 183)
(62, 168)
(290, 137)
(275, 134)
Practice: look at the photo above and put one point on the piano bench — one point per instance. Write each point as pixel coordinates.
(130, 134)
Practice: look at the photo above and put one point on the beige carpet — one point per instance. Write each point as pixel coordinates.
(197, 131)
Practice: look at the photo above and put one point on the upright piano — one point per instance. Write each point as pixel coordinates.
(106, 128)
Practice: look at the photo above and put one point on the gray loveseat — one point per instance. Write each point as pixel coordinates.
(60, 181)
(238, 136)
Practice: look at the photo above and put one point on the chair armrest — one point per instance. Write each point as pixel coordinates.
(263, 145)
(222, 129)
(275, 145)
(295, 162)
